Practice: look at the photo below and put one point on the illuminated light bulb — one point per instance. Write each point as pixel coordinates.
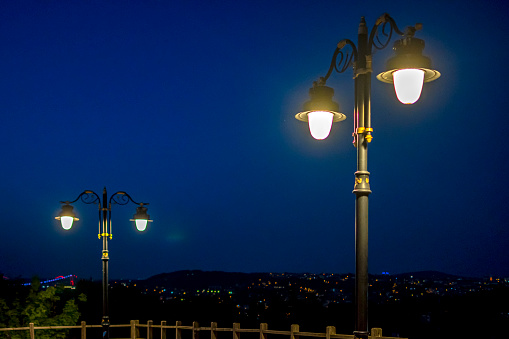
(320, 124)
(141, 224)
(408, 84)
(141, 218)
(66, 222)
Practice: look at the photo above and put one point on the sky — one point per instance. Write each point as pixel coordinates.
(190, 105)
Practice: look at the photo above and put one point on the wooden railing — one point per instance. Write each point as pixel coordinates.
(166, 333)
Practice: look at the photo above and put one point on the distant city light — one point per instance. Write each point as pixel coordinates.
(60, 277)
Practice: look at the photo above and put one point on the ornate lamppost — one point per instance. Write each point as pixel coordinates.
(141, 218)
(408, 70)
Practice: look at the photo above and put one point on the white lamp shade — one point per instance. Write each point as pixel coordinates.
(66, 222)
(408, 84)
(141, 224)
(320, 123)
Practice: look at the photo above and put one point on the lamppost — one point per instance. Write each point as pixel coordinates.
(141, 218)
(408, 70)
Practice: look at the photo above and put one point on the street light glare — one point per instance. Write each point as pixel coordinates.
(320, 111)
(320, 123)
(66, 222)
(141, 218)
(141, 224)
(66, 216)
(408, 84)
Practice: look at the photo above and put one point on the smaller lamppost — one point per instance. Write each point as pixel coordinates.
(141, 219)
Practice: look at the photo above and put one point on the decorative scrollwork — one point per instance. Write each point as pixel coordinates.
(122, 198)
(88, 197)
(346, 59)
(379, 44)
(388, 27)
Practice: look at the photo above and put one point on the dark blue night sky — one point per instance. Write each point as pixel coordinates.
(189, 105)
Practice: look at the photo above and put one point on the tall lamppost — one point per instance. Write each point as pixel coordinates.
(408, 70)
(141, 218)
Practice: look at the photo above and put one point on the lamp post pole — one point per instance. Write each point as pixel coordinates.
(321, 111)
(361, 187)
(141, 218)
(105, 258)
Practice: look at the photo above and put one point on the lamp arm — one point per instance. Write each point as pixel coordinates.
(122, 198)
(88, 197)
(383, 20)
(345, 59)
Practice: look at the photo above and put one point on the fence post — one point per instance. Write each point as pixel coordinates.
(331, 330)
(150, 329)
(376, 332)
(83, 330)
(32, 331)
(135, 330)
(263, 328)
(236, 335)
(163, 329)
(195, 329)
(178, 330)
(294, 329)
(213, 330)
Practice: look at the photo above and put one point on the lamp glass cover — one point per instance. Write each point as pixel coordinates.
(141, 224)
(320, 123)
(66, 222)
(408, 84)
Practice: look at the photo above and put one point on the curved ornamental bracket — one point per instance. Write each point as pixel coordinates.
(383, 20)
(344, 62)
(88, 197)
(122, 198)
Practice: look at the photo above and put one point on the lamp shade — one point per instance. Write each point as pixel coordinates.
(320, 111)
(66, 217)
(408, 69)
(408, 84)
(141, 218)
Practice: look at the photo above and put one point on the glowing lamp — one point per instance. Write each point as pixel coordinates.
(408, 70)
(408, 84)
(320, 111)
(141, 218)
(66, 222)
(66, 217)
(320, 124)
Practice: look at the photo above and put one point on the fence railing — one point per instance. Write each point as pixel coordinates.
(165, 331)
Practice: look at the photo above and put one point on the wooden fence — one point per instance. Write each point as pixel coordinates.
(176, 331)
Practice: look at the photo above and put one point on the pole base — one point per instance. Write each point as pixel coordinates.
(361, 334)
(105, 328)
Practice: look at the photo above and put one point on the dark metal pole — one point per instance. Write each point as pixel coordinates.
(105, 257)
(362, 188)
